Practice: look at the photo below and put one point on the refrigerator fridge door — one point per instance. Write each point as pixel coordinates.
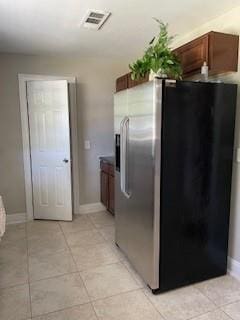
(197, 153)
(120, 112)
(120, 109)
(137, 212)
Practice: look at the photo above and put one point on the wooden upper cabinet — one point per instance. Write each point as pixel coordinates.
(122, 83)
(125, 82)
(193, 54)
(219, 50)
(223, 52)
(133, 83)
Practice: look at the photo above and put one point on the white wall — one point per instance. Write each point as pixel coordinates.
(229, 23)
(95, 88)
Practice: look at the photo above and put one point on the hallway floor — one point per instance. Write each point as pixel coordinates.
(73, 271)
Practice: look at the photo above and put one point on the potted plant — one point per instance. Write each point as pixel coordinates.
(158, 60)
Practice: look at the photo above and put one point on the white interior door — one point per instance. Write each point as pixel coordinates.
(48, 110)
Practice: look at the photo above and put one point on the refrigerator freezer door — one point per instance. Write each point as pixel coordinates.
(137, 216)
(197, 153)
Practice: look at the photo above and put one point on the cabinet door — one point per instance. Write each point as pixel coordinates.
(133, 83)
(111, 193)
(104, 188)
(193, 55)
(122, 83)
(223, 52)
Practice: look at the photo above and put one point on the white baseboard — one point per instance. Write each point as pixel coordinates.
(91, 208)
(234, 268)
(16, 218)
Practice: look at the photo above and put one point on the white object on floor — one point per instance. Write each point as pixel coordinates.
(2, 218)
(16, 218)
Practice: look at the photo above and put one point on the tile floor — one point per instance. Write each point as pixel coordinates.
(74, 271)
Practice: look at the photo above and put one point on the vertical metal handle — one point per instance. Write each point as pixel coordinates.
(124, 156)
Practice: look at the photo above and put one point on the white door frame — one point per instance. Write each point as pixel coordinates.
(23, 78)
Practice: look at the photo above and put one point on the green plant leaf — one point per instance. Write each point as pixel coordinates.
(158, 57)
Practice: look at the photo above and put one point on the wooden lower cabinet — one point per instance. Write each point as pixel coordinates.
(107, 185)
(104, 188)
(111, 193)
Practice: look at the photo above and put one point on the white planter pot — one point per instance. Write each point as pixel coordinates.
(153, 75)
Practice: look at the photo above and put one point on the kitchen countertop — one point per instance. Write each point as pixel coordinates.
(109, 159)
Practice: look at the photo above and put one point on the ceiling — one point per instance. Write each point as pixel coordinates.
(53, 26)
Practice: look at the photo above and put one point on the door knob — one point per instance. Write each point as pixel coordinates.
(65, 160)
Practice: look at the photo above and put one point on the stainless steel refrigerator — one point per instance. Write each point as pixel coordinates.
(174, 152)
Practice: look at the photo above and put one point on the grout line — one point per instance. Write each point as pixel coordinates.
(69, 248)
(115, 295)
(192, 318)
(94, 310)
(72, 257)
(140, 289)
(97, 266)
(203, 314)
(119, 262)
(59, 310)
(227, 304)
(214, 310)
(14, 285)
(131, 274)
(217, 306)
(29, 289)
(143, 289)
(109, 244)
(226, 314)
(195, 286)
(77, 272)
(53, 277)
(92, 226)
(112, 296)
(12, 242)
(131, 270)
(88, 295)
(27, 238)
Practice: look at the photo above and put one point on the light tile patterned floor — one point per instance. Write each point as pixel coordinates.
(74, 271)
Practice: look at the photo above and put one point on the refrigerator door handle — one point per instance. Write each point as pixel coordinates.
(124, 156)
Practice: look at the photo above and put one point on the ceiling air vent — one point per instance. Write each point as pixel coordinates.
(94, 19)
